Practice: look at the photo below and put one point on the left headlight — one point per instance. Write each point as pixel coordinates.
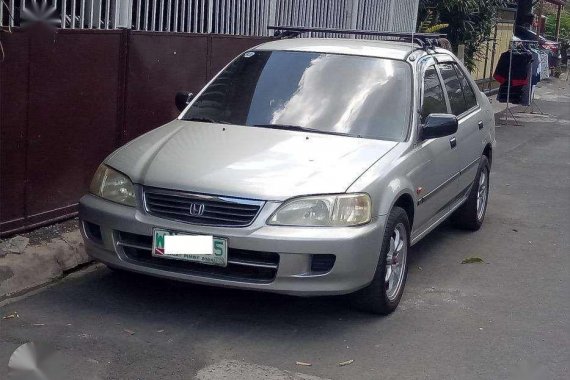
(112, 185)
(324, 210)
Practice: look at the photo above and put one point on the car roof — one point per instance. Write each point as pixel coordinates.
(373, 48)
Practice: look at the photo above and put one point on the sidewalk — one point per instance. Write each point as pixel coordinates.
(39, 257)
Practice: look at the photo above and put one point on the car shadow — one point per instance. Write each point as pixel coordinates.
(178, 303)
(433, 243)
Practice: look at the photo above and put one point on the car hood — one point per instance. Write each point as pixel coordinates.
(248, 162)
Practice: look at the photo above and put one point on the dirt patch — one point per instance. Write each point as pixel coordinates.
(45, 234)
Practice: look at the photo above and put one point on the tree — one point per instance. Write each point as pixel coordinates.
(550, 13)
(469, 22)
(550, 27)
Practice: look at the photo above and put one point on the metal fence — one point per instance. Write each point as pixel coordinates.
(239, 17)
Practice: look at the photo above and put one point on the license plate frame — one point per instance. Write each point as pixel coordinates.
(218, 258)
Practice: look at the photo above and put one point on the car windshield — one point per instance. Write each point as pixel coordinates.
(327, 93)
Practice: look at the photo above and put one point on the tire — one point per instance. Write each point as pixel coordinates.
(117, 271)
(471, 214)
(379, 297)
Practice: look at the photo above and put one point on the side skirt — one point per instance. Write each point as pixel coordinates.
(454, 204)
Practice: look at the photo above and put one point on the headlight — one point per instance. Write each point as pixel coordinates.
(112, 185)
(324, 210)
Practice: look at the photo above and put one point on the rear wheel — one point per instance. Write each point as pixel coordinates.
(471, 214)
(384, 292)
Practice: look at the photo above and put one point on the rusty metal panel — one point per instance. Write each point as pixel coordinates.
(69, 97)
(159, 65)
(13, 120)
(72, 116)
(226, 48)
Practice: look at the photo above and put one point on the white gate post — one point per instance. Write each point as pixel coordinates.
(272, 19)
(123, 14)
(354, 17)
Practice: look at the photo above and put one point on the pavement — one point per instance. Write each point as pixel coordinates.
(507, 317)
(39, 257)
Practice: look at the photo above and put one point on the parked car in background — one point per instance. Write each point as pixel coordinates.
(306, 167)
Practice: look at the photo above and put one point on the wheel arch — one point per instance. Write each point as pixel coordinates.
(406, 202)
(488, 152)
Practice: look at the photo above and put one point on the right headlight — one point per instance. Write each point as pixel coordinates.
(112, 185)
(333, 210)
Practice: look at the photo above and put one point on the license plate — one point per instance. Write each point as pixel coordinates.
(218, 256)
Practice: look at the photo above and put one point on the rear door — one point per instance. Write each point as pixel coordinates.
(463, 103)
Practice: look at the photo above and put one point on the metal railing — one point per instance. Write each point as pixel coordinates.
(67, 14)
(242, 17)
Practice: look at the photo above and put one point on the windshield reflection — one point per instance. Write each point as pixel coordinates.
(353, 95)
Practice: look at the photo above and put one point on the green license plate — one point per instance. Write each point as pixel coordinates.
(219, 256)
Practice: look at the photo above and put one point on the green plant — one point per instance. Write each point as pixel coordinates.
(470, 22)
(436, 28)
(550, 30)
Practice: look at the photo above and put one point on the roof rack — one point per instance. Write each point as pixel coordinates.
(425, 40)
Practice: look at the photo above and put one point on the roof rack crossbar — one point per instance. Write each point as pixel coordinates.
(423, 39)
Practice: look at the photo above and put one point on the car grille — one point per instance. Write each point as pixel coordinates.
(243, 265)
(201, 209)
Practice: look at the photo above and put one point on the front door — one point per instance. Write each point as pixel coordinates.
(435, 174)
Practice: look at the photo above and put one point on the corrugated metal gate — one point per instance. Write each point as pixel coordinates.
(242, 17)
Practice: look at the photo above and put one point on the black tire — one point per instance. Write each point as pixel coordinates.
(467, 216)
(374, 298)
(117, 271)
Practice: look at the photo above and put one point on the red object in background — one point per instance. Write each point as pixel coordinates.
(535, 24)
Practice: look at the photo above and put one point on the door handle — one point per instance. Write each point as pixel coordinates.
(481, 125)
(453, 142)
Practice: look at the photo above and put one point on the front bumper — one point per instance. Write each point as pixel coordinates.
(356, 249)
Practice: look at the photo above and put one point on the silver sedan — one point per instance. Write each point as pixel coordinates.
(306, 167)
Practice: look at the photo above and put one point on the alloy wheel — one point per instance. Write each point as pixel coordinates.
(396, 261)
(482, 193)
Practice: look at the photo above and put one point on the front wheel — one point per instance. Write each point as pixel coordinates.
(384, 292)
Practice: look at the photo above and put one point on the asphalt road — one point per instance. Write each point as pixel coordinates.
(506, 318)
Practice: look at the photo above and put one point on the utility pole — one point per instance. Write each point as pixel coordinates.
(539, 21)
(524, 14)
(557, 33)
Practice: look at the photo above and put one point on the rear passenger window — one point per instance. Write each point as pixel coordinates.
(453, 88)
(434, 100)
(468, 93)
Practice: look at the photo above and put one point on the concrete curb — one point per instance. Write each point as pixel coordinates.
(40, 264)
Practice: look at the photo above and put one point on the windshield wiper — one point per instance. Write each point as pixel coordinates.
(205, 120)
(300, 129)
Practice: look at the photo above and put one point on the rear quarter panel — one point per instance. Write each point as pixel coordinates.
(489, 120)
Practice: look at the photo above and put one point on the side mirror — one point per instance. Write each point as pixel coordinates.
(439, 125)
(182, 99)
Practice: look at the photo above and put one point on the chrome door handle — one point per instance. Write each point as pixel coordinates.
(481, 125)
(453, 142)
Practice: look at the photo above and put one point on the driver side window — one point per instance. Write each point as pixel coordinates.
(433, 98)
